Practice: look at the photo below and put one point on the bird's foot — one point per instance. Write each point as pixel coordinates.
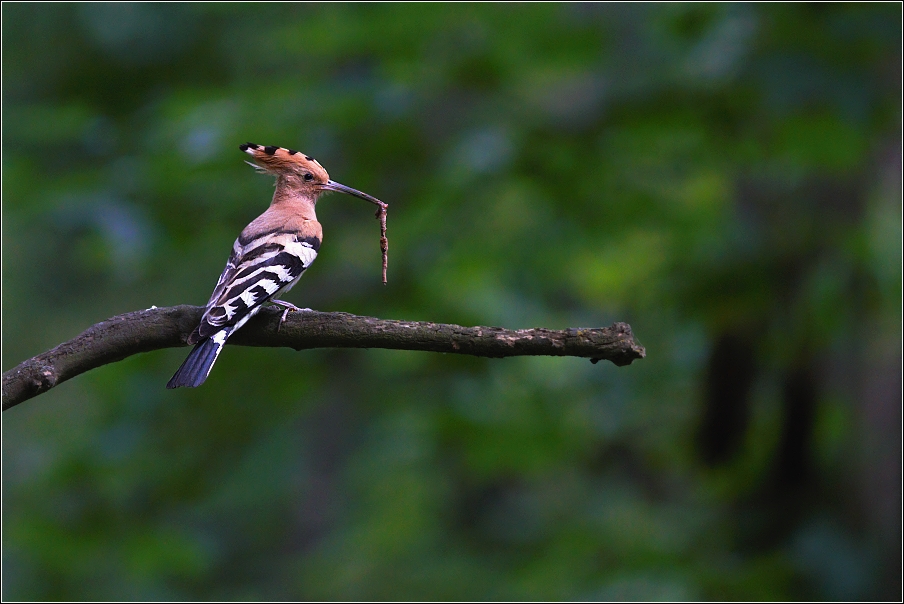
(289, 308)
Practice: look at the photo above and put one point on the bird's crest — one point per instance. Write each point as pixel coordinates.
(281, 161)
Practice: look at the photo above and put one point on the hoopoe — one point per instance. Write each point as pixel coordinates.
(267, 259)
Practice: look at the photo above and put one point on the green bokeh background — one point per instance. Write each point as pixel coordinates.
(725, 178)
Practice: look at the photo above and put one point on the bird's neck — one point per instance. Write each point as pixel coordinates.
(290, 198)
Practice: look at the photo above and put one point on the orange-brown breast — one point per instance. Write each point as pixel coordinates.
(280, 221)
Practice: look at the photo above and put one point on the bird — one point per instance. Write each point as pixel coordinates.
(268, 258)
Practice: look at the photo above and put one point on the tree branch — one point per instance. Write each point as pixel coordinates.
(145, 330)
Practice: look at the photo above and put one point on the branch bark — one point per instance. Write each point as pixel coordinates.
(145, 330)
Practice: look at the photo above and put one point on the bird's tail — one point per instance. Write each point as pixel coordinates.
(200, 360)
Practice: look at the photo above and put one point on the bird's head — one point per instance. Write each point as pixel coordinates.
(297, 171)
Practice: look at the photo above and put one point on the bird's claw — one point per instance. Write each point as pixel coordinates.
(283, 318)
(289, 308)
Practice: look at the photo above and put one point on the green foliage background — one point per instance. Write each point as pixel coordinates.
(726, 178)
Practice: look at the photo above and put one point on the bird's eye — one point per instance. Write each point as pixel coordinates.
(308, 176)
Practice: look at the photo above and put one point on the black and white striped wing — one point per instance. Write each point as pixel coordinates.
(255, 273)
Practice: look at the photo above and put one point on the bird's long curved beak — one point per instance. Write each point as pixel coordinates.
(332, 185)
